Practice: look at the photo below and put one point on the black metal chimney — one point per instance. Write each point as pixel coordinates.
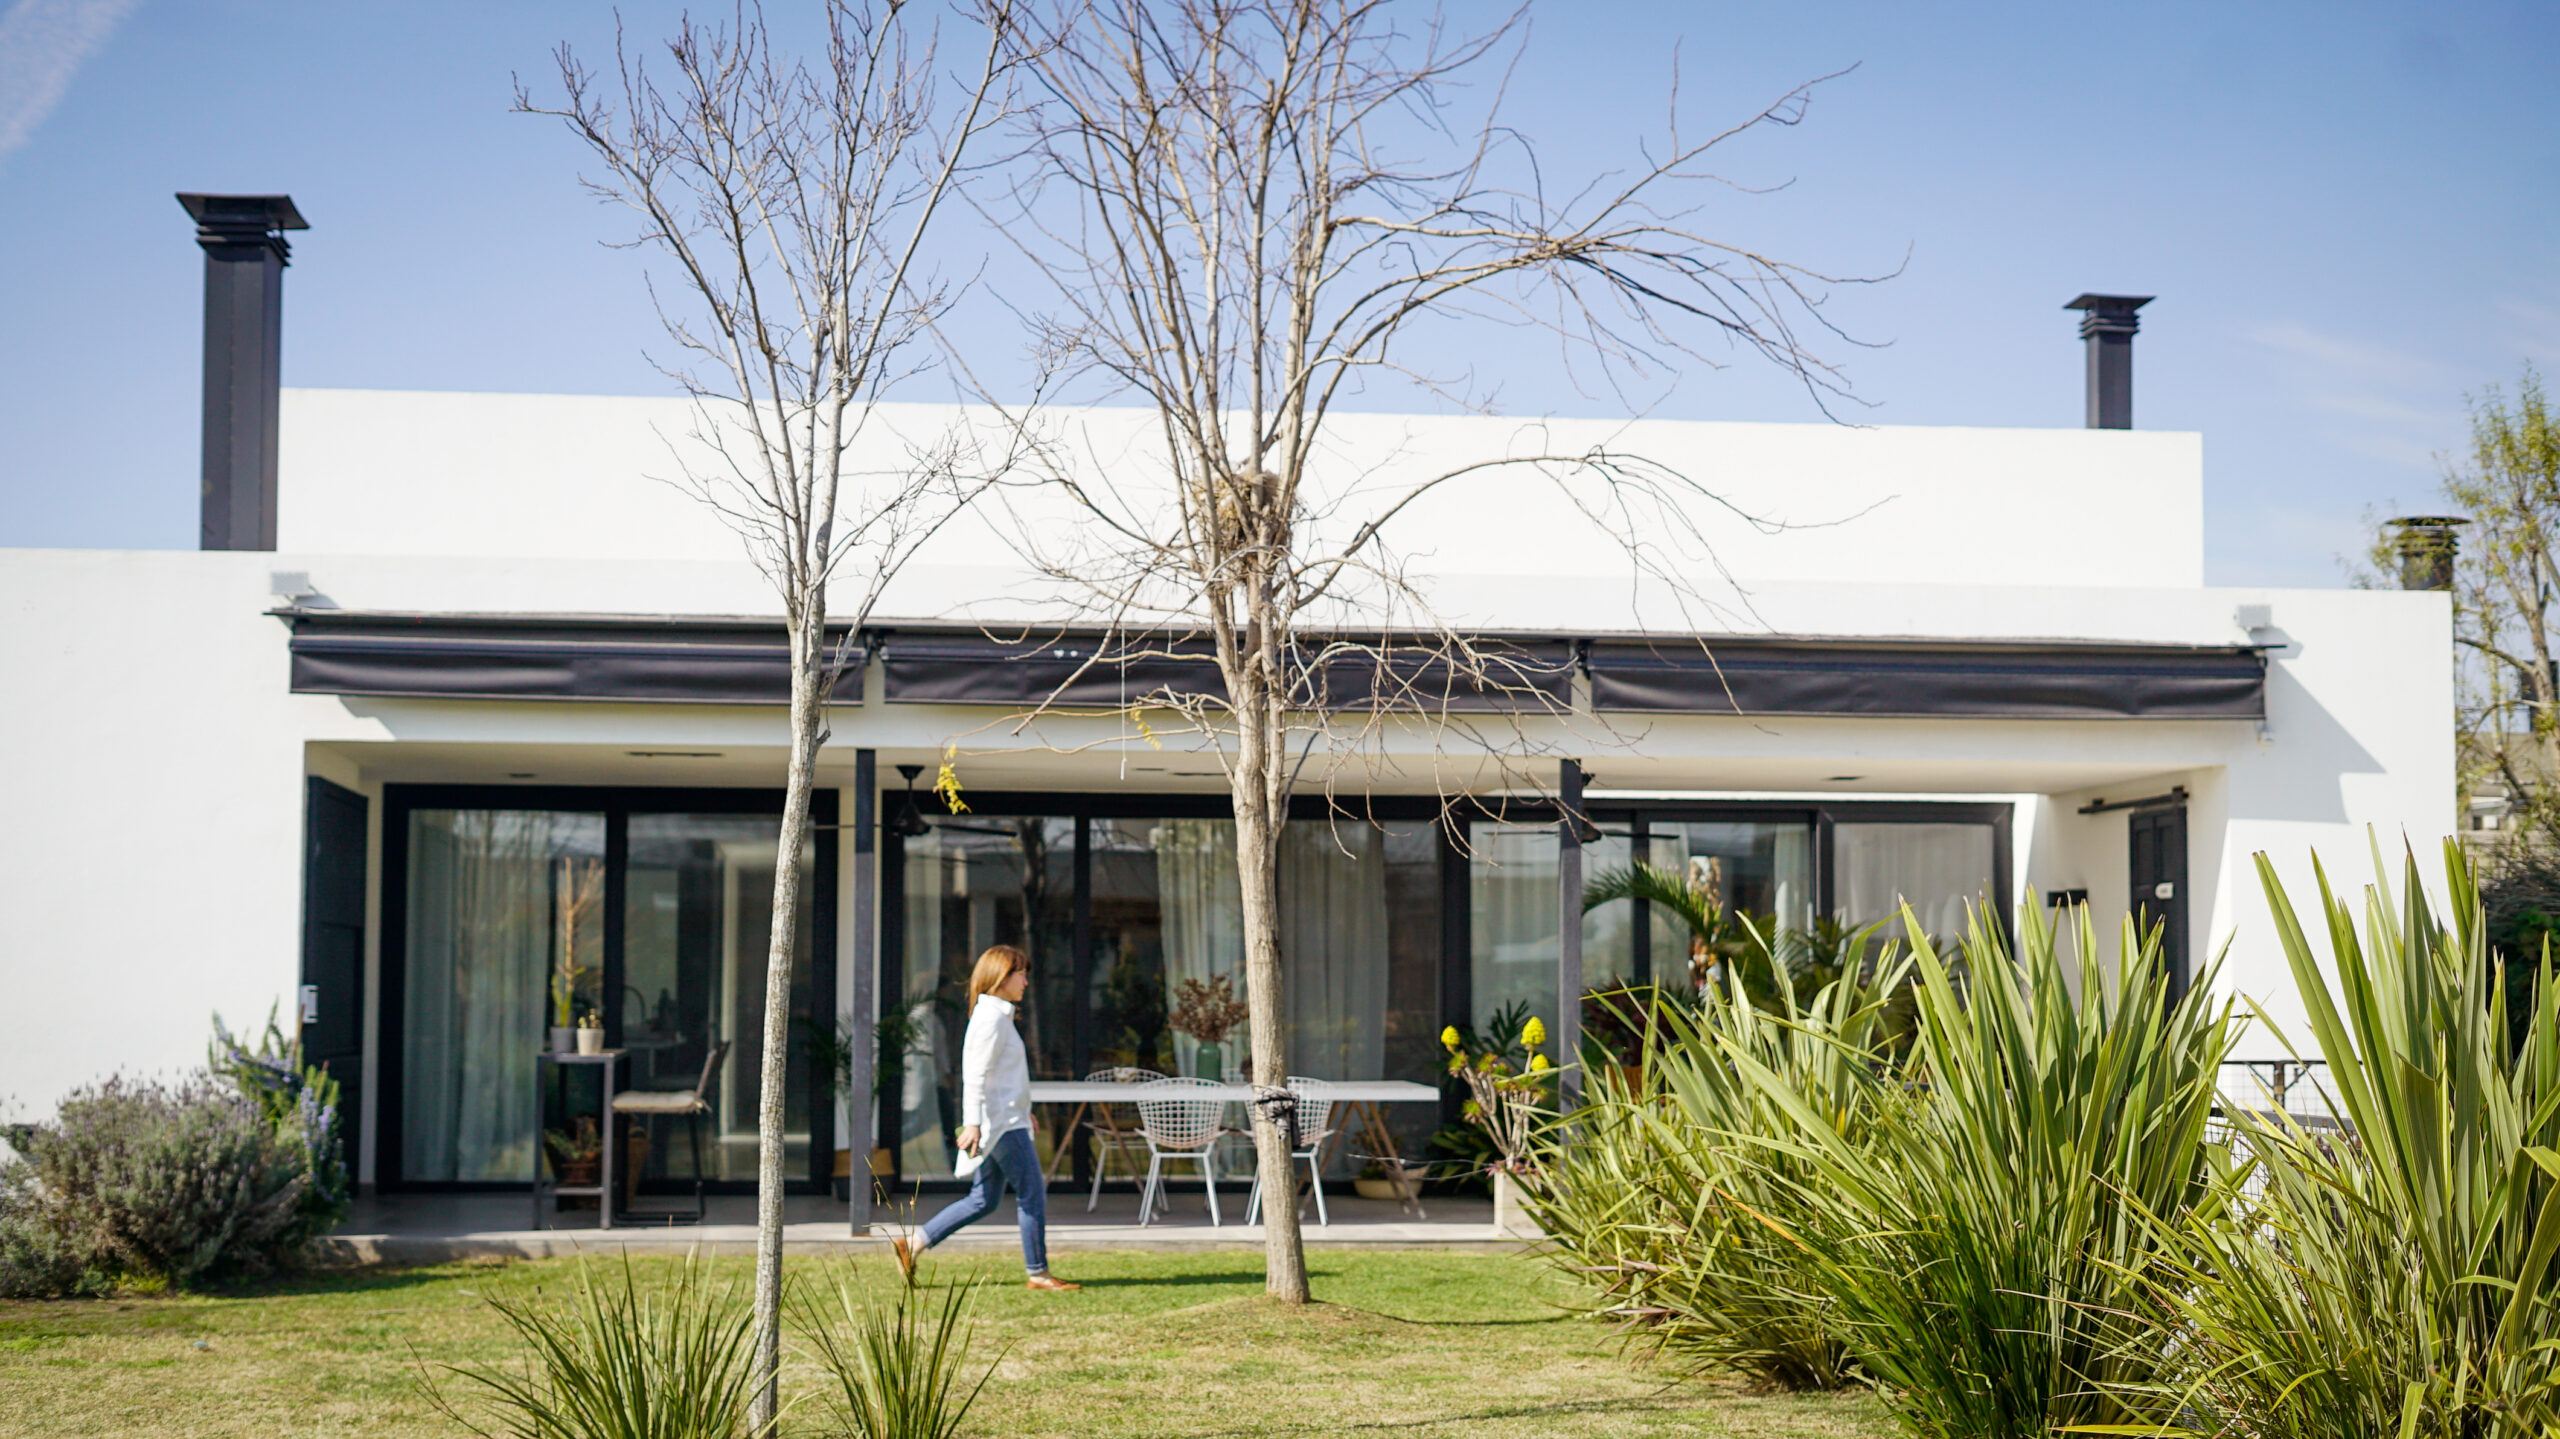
(244, 259)
(2107, 322)
(2427, 546)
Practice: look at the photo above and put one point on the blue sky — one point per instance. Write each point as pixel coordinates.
(2350, 213)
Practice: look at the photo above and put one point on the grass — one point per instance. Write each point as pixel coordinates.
(1159, 1344)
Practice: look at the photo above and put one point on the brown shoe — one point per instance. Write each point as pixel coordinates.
(906, 1260)
(1050, 1284)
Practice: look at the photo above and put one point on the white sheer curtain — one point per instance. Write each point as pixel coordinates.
(924, 1129)
(1333, 939)
(1202, 909)
(1935, 868)
(1511, 895)
(484, 891)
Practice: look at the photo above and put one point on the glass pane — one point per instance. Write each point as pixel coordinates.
(1511, 887)
(972, 882)
(698, 925)
(1936, 868)
(1763, 870)
(505, 930)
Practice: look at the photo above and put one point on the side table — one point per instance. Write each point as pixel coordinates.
(544, 1188)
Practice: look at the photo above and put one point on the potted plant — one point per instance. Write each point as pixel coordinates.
(591, 1033)
(1510, 1106)
(577, 1153)
(893, 1038)
(1208, 1011)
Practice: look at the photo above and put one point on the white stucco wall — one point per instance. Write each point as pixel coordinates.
(584, 477)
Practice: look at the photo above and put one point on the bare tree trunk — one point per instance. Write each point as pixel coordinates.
(1258, 886)
(808, 730)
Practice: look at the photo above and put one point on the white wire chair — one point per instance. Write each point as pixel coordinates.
(1113, 1129)
(1315, 1117)
(1178, 1126)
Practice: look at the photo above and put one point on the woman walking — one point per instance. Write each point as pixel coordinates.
(995, 1115)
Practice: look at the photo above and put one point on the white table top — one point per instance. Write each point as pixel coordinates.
(1092, 1091)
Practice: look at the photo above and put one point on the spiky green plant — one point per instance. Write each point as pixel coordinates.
(1680, 1230)
(1982, 1242)
(898, 1366)
(2397, 1279)
(620, 1360)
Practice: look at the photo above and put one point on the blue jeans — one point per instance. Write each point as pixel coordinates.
(1011, 1161)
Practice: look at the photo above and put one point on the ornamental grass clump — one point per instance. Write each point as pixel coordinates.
(2397, 1277)
(899, 1370)
(1982, 1240)
(1683, 1228)
(620, 1359)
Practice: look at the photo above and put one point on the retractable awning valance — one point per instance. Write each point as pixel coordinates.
(508, 657)
(1929, 679)
(706, 661)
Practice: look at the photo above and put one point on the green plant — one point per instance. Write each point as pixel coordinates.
(38, 1260)
(893, 1038)
(897, 1367)
(173, 1183)
(1685, 1232)
(580, 1143)
(1983, 1239)
(1739, 950)
(2397, 1277)
(301, 1101)
(619, 1360)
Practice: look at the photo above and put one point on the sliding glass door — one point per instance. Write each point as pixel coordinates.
(651, 910)
(505, 924)
(698, 925)
(1121, 912)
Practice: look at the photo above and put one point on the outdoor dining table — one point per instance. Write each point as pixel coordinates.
(1356, 1104)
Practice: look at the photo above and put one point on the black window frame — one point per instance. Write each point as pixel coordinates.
(617, 803)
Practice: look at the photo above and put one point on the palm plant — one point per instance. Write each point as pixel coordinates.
(2396, 1278)
(1980, 1239)
(1685, 1234)
(1745, 951)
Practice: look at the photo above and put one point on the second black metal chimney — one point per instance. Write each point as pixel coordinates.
(244, 259)
(2107, 323)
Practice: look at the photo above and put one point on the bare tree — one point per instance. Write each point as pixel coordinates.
(1246, 210)
(793, 201)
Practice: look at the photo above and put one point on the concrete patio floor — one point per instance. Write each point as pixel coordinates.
(426, 1228)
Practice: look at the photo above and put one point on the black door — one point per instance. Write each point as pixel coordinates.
(332, 999)
(2157, 838)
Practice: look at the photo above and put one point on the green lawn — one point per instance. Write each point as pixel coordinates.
(1423, 1343)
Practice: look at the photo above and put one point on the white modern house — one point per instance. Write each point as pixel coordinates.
(461, 700)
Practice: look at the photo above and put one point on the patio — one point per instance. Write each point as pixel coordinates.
(430, 1228)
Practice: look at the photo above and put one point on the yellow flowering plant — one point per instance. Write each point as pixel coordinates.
(1509, 1104)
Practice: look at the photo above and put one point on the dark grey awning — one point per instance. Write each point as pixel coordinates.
(707, 661)
(505, 657)
(1749, 676)
(1088, 670)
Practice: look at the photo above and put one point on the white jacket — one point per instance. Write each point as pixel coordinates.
(995, 1074)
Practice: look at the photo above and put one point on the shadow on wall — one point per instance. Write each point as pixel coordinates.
(2311, 752)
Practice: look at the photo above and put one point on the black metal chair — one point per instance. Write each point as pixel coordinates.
(692, 1104)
